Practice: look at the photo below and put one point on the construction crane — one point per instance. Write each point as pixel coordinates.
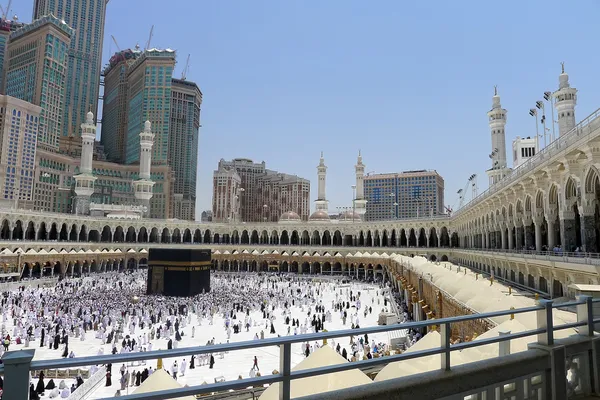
(185, 69)
(116, 44)
(6, 11)
(150, 37)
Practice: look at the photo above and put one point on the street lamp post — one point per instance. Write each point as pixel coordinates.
(265, 207)
(548, 98)
(533, 113)
(540, 105)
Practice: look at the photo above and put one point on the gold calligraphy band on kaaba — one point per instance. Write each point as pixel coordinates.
(156, 263)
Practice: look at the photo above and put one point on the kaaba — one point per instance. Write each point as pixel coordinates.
(178, 272)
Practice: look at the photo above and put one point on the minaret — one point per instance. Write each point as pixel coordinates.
(360, 204)
(143, 186)
(565, 99)
(497, 122)
(321, 203)
(84, 181)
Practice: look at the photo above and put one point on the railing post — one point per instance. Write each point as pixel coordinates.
(445, 345)
(285, 368)
(504, 347)
(16, 374)
(585, 313)
(544, 321)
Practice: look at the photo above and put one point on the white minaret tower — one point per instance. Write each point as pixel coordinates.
(360, 204)
(321, 204)
(565, 99)
(84, 181)
(143, 186)
(497, 122)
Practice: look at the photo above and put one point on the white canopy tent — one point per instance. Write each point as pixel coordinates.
(160, 380)
(321, 357)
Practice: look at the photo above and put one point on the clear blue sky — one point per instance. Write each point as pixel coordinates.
(408, 83)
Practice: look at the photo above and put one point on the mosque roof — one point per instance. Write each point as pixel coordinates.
(289, 216)
(319, 215)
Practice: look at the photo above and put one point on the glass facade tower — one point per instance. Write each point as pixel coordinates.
(87, 18)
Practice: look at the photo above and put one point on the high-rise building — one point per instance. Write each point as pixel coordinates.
(6, 28)
(242, 189)
(183, 145)
(36, 70)
(19, 125)
(87, 18)
(410, 194)
(149, 99)
(249, 173)
(114, 104)
(226, 194)
(281, 193)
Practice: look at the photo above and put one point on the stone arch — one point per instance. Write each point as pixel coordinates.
(361, 239)
(216, 238)
(570, 192)
(316, 238)
(30, 231)
(294, 239)
(207, 237)
(403, 238)
(337, 238)
(187, 236)
(444, 240)
(369, 239)
(176, 237)
(264, 237)
(305, 238)
(142, 236)
(106, 233)
(119, 235)
(165, 236)
(422, 238)
(412, 238)
(154, 237)
(5, 231)
(130, 236)
(326, 241)
(94, 236)
(73, 236)
(42, 233)
(83, 235)
(254, 237)
(385, 239)
(245, 239)
(197, 236)
(274, 237)
(63, 236)
(393, 239)
(285, 239)
(433, 238)
(444, 258)
(235, 237)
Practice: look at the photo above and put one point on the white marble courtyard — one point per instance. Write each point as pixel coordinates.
(234, 364)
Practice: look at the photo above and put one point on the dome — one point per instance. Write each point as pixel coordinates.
(319, 216)
(349, 216)
(289, 216)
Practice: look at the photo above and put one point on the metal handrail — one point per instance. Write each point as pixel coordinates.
(286, 342)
